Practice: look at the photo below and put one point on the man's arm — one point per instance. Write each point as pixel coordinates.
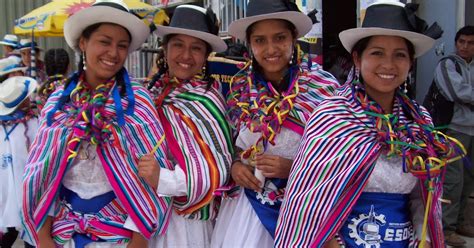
(452, 84)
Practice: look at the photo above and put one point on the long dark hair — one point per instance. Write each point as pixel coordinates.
(118, 76)
(163, 67)
(256, 68)
(56, 61)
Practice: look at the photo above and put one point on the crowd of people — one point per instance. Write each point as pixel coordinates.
(287, 157)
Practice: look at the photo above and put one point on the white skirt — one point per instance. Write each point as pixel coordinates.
(183, 232)
(238, 225)
(13, 156)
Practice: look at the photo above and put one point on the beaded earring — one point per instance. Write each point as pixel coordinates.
(406, 83)
(357, 74)
(84, 67)
(251, 62)
(292, 57)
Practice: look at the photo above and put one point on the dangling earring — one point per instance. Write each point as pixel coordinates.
(251, 62)
(292, 57)
(405, 85)
(357, 75)
(203, 70)
(84, 67)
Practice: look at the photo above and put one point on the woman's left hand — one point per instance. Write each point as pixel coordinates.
(274, 166)
(137, 241)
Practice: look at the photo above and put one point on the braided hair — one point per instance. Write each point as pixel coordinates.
(56, 61)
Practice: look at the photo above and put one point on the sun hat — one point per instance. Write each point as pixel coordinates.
(197, 22)
(10, 40)
(258, 10)
(27, 43)
(393, 18)
(10, 64)
(105, 11)
(14, 91)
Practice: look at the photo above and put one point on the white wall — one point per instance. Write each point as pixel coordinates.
(445, 12)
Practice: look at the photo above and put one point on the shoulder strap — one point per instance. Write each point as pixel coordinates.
(456, 63)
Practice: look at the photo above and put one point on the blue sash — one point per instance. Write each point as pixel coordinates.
(90, 206)
(267, 204)
(379, 220)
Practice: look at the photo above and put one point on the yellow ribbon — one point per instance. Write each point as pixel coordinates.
(158, 144)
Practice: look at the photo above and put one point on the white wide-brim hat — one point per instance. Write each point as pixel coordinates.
(197, 22)
(10, 40)
(11, 64)
(259, 10)
(14, 91)
(28, 43)
(392, 18)
(105, 11)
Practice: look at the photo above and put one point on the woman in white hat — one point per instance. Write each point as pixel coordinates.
(198, 137)
(369, 169)
(18, 128)
(35, 66)
(11, 67)
(270, 101)
(9, 44)
(81, 181)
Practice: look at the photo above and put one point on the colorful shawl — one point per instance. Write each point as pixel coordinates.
(343, 139)
(46, 89)
(124, 127)
(198, 138)
(255, 104)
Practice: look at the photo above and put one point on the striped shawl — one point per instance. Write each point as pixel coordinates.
(330, 172)
(199, 140)
(48, 162)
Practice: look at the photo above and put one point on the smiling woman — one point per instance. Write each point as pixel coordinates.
(373, 177)
(93, 130)
(198, 136)
(269, 100)
(105, 48)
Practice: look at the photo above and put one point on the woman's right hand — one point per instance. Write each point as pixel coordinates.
(149, 169)
(244, 177)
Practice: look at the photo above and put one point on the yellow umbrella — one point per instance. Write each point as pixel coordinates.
(48, 20)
